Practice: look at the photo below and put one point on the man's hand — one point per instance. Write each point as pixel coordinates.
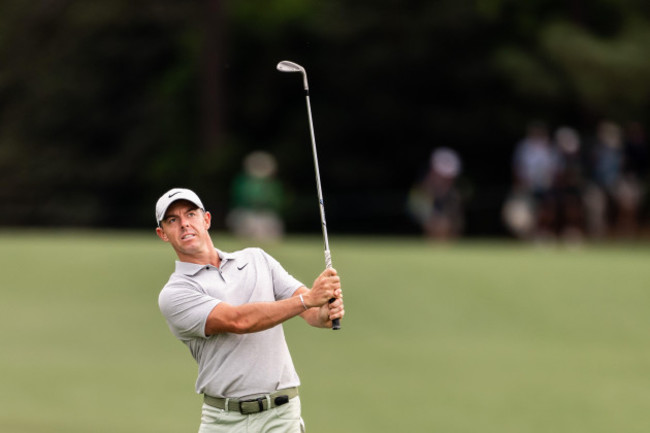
(335, 310)
(325, 287)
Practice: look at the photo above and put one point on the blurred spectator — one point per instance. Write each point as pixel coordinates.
(630, 189)
(257, 199)
(636, 151)
(568, 185)
(435, 201)
(606, 164)
(529, 210)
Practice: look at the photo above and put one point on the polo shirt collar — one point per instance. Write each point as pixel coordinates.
(192, 269)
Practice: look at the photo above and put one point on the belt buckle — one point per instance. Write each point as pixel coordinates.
(254, 409)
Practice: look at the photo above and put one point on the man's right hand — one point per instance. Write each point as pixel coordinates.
(326, 287)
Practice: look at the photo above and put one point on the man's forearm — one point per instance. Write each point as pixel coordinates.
(315, 317)
(253, 317)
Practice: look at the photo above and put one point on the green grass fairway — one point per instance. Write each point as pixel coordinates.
(473, 337)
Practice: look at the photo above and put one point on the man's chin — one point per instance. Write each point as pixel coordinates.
(188, 248)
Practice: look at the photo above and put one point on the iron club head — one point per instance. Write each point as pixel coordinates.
(287, 66)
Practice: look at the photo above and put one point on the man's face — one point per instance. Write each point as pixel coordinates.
(185, 227)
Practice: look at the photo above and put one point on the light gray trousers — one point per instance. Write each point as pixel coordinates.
(281, 419)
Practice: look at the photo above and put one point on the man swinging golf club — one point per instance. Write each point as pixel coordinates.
(228, 309)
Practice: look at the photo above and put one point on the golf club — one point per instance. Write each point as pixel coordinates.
(287, 66)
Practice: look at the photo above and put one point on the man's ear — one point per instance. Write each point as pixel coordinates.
(161, 234)
(207, 218)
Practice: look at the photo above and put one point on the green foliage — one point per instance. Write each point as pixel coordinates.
(528, 74)
(100, 99)
(266, 18)
(603, 71)
(602, 66)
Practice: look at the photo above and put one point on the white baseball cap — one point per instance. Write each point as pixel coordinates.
(173, 195)
(446, 162)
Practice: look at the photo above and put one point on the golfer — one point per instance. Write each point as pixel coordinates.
(228, 309)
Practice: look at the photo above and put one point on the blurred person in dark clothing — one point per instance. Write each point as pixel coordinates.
(636, 151)
(435, 201)
(631, 187)
(568, 185)
(606, 167)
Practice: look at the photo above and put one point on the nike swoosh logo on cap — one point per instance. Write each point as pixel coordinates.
(172, 195)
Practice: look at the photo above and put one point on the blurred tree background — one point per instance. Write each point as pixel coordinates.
(106, 104)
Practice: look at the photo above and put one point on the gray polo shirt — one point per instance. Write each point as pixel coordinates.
(231, 365)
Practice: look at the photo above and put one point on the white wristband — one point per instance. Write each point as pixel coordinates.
(303, 302)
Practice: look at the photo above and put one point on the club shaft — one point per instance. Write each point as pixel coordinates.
(321, 203)
(336, 323)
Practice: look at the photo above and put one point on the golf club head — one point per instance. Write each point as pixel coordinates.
(287, 66)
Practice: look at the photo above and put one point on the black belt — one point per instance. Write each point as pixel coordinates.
(254, 405)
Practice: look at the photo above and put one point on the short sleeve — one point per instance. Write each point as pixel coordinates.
(186, 309)
(284, 284)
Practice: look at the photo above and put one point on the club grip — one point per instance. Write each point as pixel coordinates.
(336, 323)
